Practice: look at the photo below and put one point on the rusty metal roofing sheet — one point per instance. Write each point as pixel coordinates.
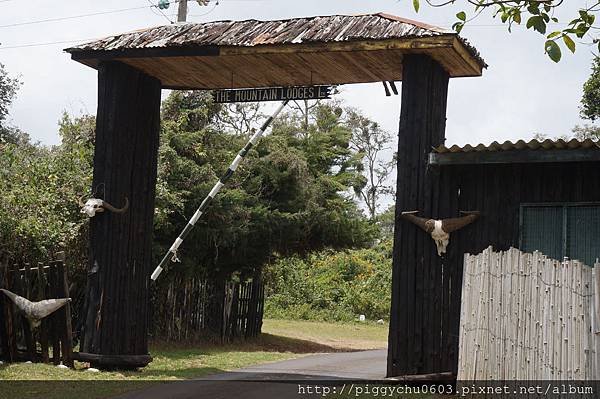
(522, 145)
(320, 29)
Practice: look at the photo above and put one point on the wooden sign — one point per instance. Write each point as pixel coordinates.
(272, 94)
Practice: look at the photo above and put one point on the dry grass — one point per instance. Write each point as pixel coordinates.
(332, 336)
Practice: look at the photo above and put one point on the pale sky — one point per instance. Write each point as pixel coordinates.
(521, 93)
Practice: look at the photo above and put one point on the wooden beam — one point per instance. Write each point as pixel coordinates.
(189, 51)
(127, 361)
(516, 156)
(447, 50)
(93, 57)
(443, 41)
(466, 57)
(447, 376)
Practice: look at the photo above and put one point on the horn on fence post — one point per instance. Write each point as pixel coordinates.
(172, 253)
(111, 208)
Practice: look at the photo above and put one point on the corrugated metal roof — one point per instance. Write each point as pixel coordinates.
(248, 33)
(521, 145)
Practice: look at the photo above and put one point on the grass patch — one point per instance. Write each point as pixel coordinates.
(171, 363)
(281, 340)
(331, 336)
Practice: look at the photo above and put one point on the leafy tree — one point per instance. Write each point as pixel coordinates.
(240, 118)
(284, 198)
(370, 141)
(37, 220)
(331, 285)
(386, 222)
(8, 90)
(536, 14)
(590, 102)
(586, 132)
(590, 105)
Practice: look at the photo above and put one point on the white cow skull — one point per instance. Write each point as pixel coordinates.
(440, 229)
(94, 205)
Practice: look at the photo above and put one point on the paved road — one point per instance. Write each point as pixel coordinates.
(275, 380)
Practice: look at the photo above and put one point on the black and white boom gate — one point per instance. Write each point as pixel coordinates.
(172, 253)
(266, 55)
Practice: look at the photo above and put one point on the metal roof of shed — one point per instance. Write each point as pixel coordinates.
(334, 49)
(533, 151)
(534, 144)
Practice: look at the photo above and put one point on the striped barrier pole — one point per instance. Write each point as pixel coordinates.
(211, 195)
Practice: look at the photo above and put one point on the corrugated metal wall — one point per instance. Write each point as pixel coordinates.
(542, 229)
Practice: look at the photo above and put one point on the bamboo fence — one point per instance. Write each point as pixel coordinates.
(528, 317)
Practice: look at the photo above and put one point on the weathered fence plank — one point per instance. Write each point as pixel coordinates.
(527, 317)
(197, 307)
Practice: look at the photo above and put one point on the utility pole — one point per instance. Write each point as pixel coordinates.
(182, 11)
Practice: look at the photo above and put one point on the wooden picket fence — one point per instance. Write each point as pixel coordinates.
(528, 317)
(54, 336)
(187, 308)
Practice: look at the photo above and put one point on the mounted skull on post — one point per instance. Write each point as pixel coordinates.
(93, 205)
(440, 229)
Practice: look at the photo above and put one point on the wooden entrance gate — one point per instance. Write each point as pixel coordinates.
(324, 50)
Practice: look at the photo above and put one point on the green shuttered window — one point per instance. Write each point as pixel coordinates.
(562, 230)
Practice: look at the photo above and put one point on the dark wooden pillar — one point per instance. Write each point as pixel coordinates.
(125, 160)
(416, 338)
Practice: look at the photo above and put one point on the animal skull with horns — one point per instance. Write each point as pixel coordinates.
(440, 229)
(93, 205)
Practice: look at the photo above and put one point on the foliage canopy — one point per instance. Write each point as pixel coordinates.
(537, 16)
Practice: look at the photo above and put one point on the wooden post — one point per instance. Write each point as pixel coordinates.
(125, 159)
(62, 291)
(54, 319)
(5, 316)
(182, 11)
(41, 294)
(25, 285)
(415, 336)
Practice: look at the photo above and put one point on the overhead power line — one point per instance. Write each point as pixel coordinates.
(46, 43)
(57, 19)
(41, 21)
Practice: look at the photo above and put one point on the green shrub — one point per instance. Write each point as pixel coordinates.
(331, 286)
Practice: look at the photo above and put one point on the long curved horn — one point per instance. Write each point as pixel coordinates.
(111, 208)
(425, 224)
(80, 201)
(453, 224)
(36, 311)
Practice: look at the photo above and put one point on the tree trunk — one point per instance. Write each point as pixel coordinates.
(125, 160)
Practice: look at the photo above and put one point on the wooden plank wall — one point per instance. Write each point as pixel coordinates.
(188, 308)
(115, 329)
(18, 342)
(418, 343)
(527, 317)
(495, 190)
